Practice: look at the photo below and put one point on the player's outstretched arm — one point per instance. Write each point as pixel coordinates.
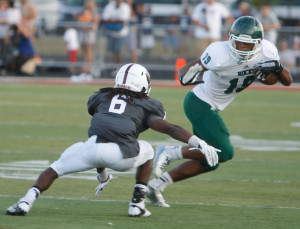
(175, 131)
(285, 77)
(181, 134)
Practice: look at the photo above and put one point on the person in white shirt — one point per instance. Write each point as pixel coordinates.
(207, 17)
(269, 21)
(115, 18)
(72, 46)
(14, 15)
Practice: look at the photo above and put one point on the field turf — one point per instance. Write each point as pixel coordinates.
(259, 188)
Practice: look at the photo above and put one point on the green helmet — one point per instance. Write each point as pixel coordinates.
(246, 29)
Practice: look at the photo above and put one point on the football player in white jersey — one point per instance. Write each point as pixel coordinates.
(224, 70)
(119, 115)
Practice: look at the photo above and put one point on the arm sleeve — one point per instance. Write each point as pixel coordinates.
(157, 112)
(208, 57)
(93, 103)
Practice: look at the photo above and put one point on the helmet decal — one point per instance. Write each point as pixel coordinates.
(126, 73)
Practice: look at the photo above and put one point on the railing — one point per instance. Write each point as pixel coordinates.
(158, 59)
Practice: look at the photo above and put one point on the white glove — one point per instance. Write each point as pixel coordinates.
(209, 152)
(102, 184)
(193, 75)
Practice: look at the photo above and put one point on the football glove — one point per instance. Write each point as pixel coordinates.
(102, 184)
(262, 69)
(192, 76)
(209, 152)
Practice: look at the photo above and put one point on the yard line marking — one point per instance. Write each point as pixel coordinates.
(295, 124)
(264, 145)
(11, 123)
(237, 141)
(174, 203)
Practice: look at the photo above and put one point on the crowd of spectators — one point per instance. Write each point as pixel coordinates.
(129, 29)
(17, 52)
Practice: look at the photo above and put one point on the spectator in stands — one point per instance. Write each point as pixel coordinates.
(269, 21)
(132, 38)
(287, 55)
(23, 62)
(171, 39)
(296, 45)
(88, 22)
(208, 17)
(13, 14)
(185, 31)
(116, 16)
(244, 9)
(3, 30)
(147, 39)
(72, 46)
(29, 14)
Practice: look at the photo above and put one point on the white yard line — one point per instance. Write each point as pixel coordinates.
(171, 203)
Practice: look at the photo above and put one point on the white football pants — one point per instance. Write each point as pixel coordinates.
(87, 155)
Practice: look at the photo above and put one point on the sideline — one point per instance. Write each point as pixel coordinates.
(102, 81)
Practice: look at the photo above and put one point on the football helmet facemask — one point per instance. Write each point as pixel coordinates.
(246, 29)
(133, 77)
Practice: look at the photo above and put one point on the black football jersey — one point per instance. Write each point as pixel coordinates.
(115, 120)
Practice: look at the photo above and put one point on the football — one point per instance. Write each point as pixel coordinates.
(270, 79)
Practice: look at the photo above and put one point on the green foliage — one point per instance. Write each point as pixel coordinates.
(257, 189)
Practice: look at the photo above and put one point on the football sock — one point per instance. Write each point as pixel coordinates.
(103, 176)
(175, 152)
(167, 178)
(31, 195)
(161, 183)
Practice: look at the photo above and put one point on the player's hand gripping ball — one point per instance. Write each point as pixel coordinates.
(268, 79)
(267, 72)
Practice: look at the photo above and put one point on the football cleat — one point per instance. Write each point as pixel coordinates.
(138, 209)
(161, 161)
(156, 197)
(19, 209)
(102, 184)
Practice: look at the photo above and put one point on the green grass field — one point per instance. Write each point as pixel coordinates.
(258, 189)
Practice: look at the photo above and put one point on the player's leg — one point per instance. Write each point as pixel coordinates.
(109, 155)
(71, 160)
(208, 125)
(143, 162)
(25, 203)
(183, 171)
(166, 154)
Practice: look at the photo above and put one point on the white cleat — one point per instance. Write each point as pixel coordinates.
(102, 184)
(156, 197)
(161, 161)
(138, 209)
(19, 209)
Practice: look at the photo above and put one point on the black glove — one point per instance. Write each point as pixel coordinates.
(267, 67)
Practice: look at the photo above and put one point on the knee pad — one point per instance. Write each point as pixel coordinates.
(146, 150)
(146, 153)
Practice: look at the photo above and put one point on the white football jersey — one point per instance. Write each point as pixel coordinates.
(225, 77)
